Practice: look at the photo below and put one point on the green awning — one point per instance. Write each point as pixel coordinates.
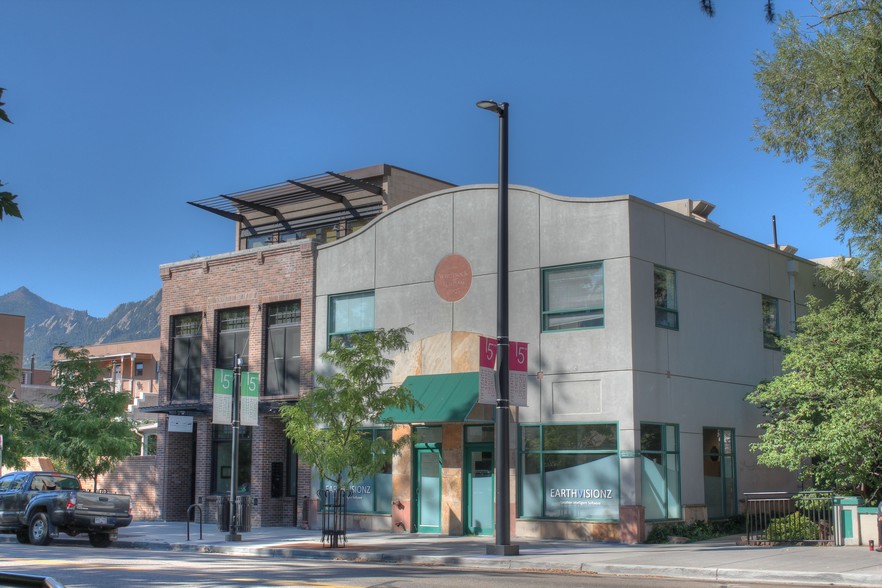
(446, 398)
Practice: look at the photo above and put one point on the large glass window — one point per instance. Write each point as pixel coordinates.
(349, 314)
(666, 314)
(283, 349)
(660, 462)
(569, 471)
(186, 356)
(771, 328)
(719, 473)
(232, 338)
(572, 297)
(372, 494)
(221, 459)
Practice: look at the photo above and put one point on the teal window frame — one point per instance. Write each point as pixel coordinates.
(771, 322)
(723, 453)
(669, 459)
(586, 316)
(380, 502)
(540, 452)
(664, 281)
(333, 322)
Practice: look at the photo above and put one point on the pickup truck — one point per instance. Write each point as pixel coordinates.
(36, 506)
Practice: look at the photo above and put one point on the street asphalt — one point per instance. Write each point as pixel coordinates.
(714, 560)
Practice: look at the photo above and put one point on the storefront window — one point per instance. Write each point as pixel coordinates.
(660, 463)
(221, 454)
(569, 471)
(369, 495)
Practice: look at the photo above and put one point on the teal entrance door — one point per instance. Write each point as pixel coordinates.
(428, 490)
(480, 489)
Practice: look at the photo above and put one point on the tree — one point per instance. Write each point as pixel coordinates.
(821, 96)
(19, 421)
(707, 6)
(325, 425)
(8, 205)
(825, 412)
(88, 434)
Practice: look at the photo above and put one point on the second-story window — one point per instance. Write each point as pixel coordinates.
(232, 337)
(283, 349)
(572, 297)
(666, 315)
(349, 314)
(771, 328)
(186, 356)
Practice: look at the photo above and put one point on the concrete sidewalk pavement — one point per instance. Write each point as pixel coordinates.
(714, 560)
(718, 559)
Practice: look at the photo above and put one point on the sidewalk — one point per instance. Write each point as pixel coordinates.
(717, 560)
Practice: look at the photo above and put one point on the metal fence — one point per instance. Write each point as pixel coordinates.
(333, 509)
(784, 517)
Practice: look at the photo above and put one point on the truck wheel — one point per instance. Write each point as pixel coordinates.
(100, 539)
(22, 536)
(38, 529)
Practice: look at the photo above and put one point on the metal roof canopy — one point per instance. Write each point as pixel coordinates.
(269, 199)
(446, 398)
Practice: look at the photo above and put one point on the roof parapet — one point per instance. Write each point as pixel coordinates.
(700, 210)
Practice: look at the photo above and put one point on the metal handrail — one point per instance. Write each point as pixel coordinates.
(190, 510)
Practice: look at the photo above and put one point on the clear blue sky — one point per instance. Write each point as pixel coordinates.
(126, 110)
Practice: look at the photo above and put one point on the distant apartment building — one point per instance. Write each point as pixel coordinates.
(643, 327)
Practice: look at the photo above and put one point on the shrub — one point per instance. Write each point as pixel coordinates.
(696, 531)
(793, 527)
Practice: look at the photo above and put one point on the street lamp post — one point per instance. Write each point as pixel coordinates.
(234, 535)
(503, 544)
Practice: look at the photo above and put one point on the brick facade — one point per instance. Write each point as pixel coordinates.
(252, 279)
(135, 476)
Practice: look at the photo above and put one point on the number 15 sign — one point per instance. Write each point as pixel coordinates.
(517, 361)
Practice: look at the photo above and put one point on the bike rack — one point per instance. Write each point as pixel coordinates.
(189, 511)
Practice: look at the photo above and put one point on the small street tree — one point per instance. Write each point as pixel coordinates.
(825, 412)
(88, 434)
(19, 421)
(325, 425)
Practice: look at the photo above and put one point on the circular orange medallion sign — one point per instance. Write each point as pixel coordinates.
(453, 277)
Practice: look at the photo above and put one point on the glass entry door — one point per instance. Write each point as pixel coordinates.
(428, 490)
(719, 473)
(480, 490)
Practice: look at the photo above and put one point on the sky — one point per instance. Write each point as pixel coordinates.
(124, 111)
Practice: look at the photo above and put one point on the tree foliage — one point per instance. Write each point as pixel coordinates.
(8, 206)
(821, 93)
(825, 412)
(707, 6)
(88, 434)
(325, 425)
(19, 421)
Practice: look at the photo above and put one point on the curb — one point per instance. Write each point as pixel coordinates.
(504, 563)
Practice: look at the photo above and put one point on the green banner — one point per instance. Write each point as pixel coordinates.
(223, 397)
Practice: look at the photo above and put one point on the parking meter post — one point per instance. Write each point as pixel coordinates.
(234, 459)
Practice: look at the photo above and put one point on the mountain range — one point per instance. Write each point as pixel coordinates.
(48, 325)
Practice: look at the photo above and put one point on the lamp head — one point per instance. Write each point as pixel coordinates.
(491, 106)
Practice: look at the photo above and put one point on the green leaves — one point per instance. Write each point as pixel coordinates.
(325, 424)
(88, 433)
(821, 95)
(824, 413)
(3, 115)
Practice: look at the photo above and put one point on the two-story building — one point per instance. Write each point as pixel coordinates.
(645, 324)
